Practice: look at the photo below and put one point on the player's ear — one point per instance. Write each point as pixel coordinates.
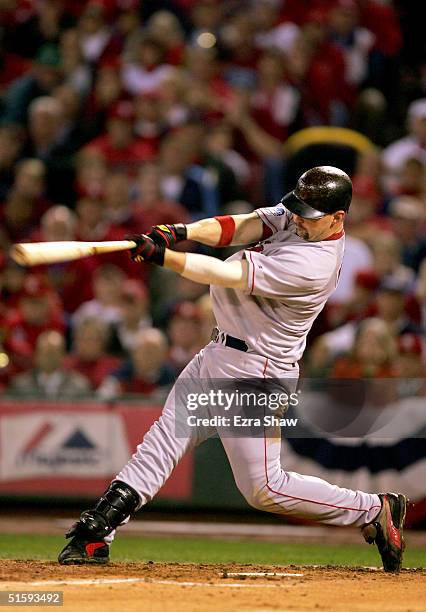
(338, 216)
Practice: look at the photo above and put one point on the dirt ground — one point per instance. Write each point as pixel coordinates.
(159, 587)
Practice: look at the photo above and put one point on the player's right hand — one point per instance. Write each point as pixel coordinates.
(146, 250)
(168, 235)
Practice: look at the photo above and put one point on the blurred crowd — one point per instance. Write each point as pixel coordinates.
(116, 115)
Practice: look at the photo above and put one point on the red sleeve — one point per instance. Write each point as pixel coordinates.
(383, 22)
(266, 231)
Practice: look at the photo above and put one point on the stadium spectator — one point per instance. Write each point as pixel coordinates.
(149, 122)
(57, 224)
(184, 332)
(74, 132)
(208, 170)
(146, 373)
(408, 216)
(89, 351)
(7, 368)
(365, 220)
(127, 21)
(368, 115)
(30, 182)
(238, 40)
(164, 28)
(135, 316)
(357, 258)
(105, 305)
(412, 145)
(271, 32)
(317, 67)
(275, 102)
(152, 206)
(258, 145)
(410, 364)
(76, 72)
(373, 354)
(38, 310)
(51, 140)
(95, 34)
(119, 146)
(382, 19)
(412, 179)
(420, 293)
(25, 202)
(94, 224)
(11, 284)
(117, 203)
(44, 76)
(369, 169)
(191, 186)
(43, 26)
(91, 171)
(359, 302)
(219, 145)
(396, 306)
(206, 16)
(387, 253)
(207, 91)
(50, 378)
(106, 92)
(355, 41)
(171, 92)
(145, 70)
(11, 142)
(12, 66)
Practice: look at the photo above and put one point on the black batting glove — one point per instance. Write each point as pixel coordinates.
(146, 250)
(168, 235)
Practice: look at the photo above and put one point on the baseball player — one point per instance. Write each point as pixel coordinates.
(265, 300)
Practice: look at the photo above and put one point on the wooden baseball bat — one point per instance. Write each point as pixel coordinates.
(35, 253)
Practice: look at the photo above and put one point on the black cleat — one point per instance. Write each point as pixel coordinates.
(89, 532)
(80, 551)
(386, 531)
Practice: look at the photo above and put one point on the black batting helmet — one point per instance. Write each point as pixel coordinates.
(320, 191)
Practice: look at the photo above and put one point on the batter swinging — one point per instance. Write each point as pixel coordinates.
(265, 300)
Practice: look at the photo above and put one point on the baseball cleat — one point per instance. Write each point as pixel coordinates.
(386, 531)
(81, 550)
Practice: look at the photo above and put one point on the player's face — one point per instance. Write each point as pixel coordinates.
(314, 230)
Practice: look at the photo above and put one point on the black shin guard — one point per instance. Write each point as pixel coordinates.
(115, 505)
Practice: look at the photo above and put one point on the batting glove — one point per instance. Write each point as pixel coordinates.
(146, 250)
(168, 235)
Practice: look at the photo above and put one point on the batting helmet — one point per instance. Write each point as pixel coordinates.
(320, 191)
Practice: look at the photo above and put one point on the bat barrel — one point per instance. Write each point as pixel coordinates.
(36, 253)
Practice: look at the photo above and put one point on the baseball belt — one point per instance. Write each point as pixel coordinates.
(222, 337)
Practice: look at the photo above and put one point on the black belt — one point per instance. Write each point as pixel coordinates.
(223, 338)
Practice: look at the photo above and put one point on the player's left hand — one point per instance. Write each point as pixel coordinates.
(146, 250)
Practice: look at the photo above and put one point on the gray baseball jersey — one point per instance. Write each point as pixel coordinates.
(289, 282)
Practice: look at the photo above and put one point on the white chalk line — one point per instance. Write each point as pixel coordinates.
(101, 581)
(260, 574)
(232, 585)
(86, 581)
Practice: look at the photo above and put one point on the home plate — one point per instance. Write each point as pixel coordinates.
(259, 575)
